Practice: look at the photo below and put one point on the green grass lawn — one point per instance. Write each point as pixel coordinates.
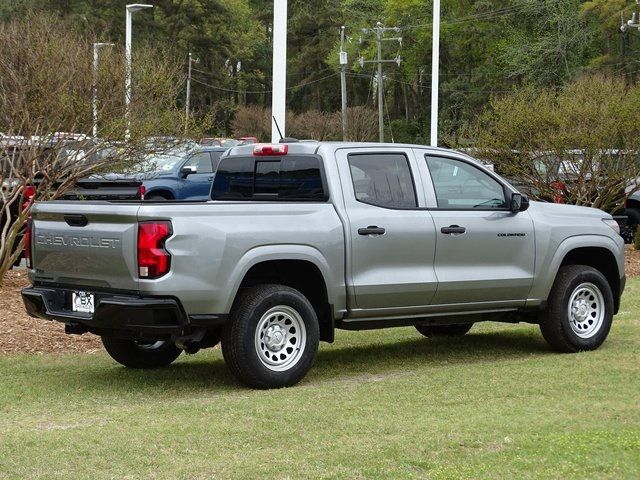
(382, 404)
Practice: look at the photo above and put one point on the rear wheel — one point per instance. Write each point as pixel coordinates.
(141, 354)
(156, 198)
(272, 337)
(458, 330)
(580, 310)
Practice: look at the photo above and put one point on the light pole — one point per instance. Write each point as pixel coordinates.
(435, 72)
(134, 7)
(279, 84)
(96, 47)
(186, 109)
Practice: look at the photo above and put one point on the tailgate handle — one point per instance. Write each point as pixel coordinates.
(75, 220)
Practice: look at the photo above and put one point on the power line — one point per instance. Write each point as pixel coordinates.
(293, 87)
(211, 74)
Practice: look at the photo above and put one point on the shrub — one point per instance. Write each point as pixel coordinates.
(583, 137)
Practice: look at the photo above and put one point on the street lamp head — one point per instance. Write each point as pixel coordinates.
(134, 7)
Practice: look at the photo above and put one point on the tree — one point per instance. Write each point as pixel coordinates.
(46, 88)
(581, 142)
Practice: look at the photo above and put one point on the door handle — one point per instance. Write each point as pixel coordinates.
(210, 178)
(371, 230)
(453, 230)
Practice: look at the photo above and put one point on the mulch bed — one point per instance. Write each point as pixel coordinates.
(20, 333)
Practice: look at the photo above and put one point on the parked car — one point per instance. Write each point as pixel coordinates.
(220, 142)
(182, 173)
(301, 238)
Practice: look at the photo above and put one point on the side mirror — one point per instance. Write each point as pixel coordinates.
(519, 203)
(188, 170)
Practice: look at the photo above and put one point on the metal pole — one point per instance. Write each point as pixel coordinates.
(343, 83)
(127, 76)
(279, 94)
(186, 113)
(94, 102)
(380, 95)
(134, 7)
(435, 72)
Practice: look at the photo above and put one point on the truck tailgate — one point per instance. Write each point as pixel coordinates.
(90, 244)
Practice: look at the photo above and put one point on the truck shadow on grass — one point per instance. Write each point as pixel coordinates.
(342, 361)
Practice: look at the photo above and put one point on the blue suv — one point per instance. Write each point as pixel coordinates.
(181, 173)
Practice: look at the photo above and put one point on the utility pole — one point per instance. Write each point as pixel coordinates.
(435, 72)
(94, 103)
(343, 83)
(186, 108)
(380, 30)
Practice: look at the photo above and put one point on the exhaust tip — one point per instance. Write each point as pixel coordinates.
(192, 347)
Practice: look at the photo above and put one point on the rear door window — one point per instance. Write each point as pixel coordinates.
(383, 180)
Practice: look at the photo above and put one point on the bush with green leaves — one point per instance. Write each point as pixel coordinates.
(580, 141)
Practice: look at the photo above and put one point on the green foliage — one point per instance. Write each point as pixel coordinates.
(487, 47)
(636, 240)
(584, 136)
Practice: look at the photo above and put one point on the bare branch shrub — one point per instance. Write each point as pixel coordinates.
(362, 124)
(46, 89)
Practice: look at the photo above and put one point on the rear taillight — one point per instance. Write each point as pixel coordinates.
(153, 260)
(28, 194)
(28, 233)
(141, 191)
(270, 150)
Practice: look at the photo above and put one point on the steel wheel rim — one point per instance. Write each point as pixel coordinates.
(586, 310)
(280, 338)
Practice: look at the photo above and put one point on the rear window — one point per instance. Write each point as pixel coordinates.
(288, 178)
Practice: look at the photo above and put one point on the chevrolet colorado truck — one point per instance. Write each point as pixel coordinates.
(300, 238)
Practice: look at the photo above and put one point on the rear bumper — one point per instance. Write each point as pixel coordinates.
(115, 314)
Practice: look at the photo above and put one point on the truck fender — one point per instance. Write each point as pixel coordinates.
(266, 253)
(548, 269)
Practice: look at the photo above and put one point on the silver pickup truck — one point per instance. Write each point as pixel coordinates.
(302, 238)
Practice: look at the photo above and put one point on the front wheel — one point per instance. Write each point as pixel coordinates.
(141, 354)
(580, 310)
(272, 337)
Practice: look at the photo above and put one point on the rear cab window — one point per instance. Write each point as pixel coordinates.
(280, 178)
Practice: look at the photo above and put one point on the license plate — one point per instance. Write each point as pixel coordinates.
(82, 302)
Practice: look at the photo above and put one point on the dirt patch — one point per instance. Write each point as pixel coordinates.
(632, 262)
(19, 333)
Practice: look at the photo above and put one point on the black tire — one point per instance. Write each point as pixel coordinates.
(248, 357)
(458, 330)
(135, 354)
(154, 197)
(633, 220)
(562, 330)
